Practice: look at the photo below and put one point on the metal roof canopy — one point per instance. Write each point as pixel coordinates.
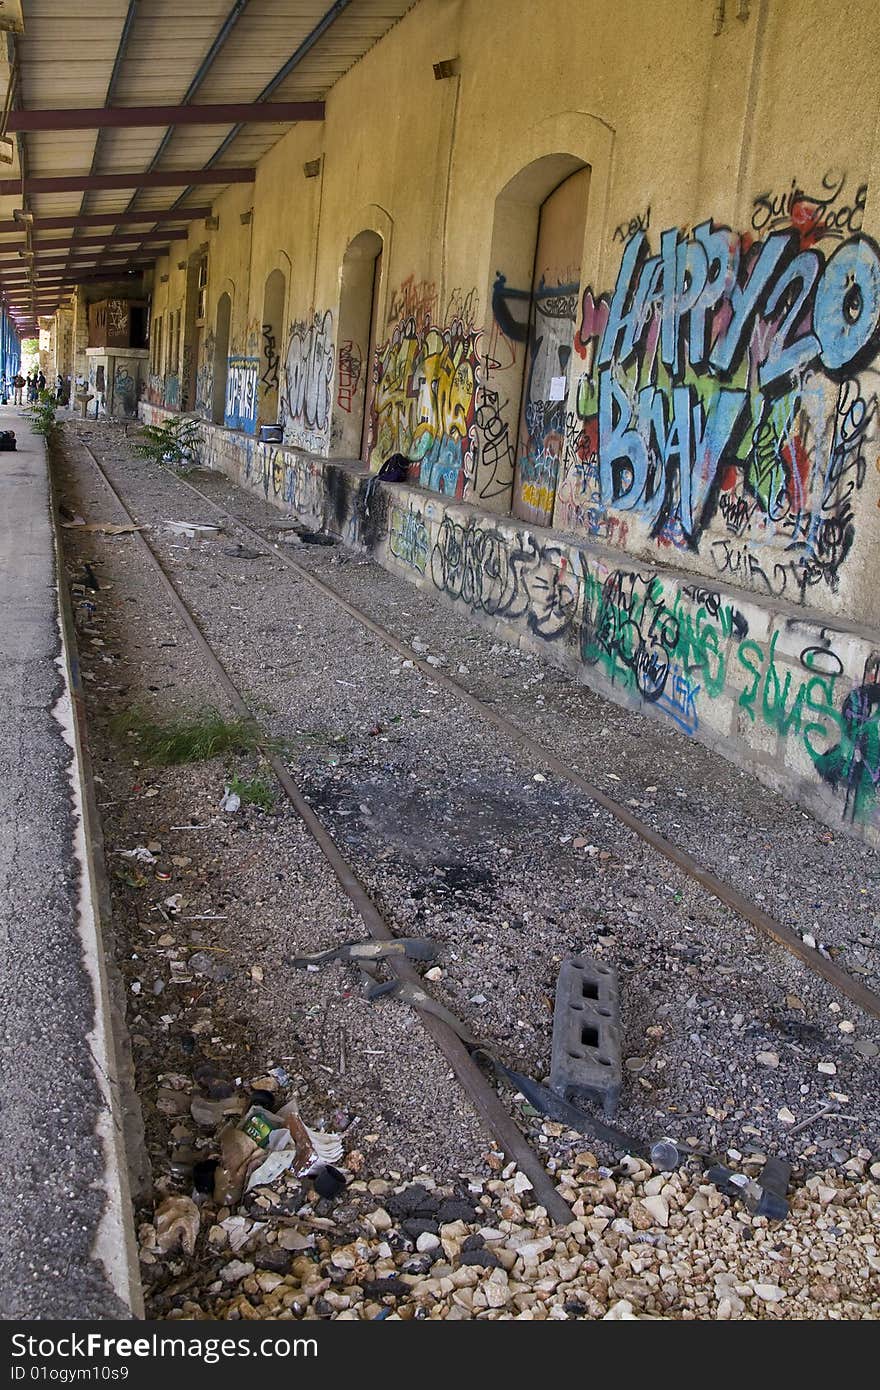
(89, 83)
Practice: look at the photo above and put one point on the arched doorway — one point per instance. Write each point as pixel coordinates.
(270, 353)
(549, 346)
(356, 344)
(537, 248)
(221, 359)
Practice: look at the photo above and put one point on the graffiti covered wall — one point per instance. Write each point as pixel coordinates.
(424, 402)
(308, 383)
(726, 407)
(240, 411)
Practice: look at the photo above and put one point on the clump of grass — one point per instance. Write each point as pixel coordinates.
(253, 791)
(189, 739)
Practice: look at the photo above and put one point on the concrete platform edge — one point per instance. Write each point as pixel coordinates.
(115, 1243)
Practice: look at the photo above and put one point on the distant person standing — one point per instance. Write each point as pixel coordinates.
(17, 387)
(32, 388)
(41, 382)
(59, 389)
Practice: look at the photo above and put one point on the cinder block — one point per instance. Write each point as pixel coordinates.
(585, 1059)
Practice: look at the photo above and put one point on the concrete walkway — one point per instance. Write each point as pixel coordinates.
(65, 1242)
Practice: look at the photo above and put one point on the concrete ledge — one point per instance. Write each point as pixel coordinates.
(788, 694)
(67, 1245)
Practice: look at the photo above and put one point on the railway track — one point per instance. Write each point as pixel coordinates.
(744, 907)
(468, 1074)
(471, 1079)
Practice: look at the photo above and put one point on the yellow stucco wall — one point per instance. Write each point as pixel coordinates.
(679, 125)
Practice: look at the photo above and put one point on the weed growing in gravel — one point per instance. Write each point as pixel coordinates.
(174, 444)
(42, 417)
(190, 739)
(253, 791)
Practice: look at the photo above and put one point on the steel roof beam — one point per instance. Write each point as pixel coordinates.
(124, 117)
(170, 178)
(63, 243)
(87, 258)
(108, 219)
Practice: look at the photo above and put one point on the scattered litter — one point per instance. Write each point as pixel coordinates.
(141, 853)
(190, 528)
(316, 538)
(413, 947)
(102, 528)
(210, 1113)
(280, 1141)
(177, 1224)
(207, 965)
(764, 1196)
(231, 801)
(241, 552)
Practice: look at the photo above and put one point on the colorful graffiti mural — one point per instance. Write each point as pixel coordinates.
(727, 388)
(240, 410)
(677, 647)
(542, 432)
(423, 403)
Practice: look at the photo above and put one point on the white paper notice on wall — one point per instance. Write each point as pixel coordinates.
(557, 388)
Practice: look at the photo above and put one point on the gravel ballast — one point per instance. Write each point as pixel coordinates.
(729, 1043)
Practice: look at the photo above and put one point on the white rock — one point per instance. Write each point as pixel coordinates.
(427, 1241)
(268, 1281)
(658, 1208)
(531, 1249)
(380, 1219)
(771, 1293)
(767, 1059)
(295, 1240)
(785, 1115)
(827, 1068)
(497, 1294)
(622, 1311)
(236, 1270)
